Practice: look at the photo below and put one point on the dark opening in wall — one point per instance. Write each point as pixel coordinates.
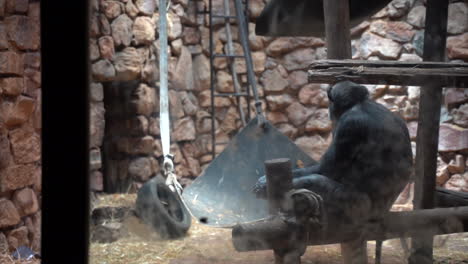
(130, 150)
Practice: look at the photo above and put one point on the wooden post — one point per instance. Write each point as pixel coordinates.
(428, 127)
(336, 13)
(275, 233)
(279, 182)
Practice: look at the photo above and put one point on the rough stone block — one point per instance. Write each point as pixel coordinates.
(3, 35)
(18, 112)
(95, 161)
(23, 32)
(26, 202)
(9, 216)
(96, 124)
(11, 63)
(18, 237)
(26, 146)
(18, 176)
(11, 86)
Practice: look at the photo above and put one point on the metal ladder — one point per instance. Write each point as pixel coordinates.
(241, 89)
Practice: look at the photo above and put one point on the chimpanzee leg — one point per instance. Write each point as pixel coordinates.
(343, 204)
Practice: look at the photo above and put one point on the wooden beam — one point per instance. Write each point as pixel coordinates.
(337, 29)
(435, 36)
(390, 72)
(322, 64)
(279, 182)
(272, 233)
(448, 198)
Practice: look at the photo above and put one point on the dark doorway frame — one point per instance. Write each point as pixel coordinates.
(65, 81)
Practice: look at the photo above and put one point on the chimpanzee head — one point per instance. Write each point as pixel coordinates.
(344, 95)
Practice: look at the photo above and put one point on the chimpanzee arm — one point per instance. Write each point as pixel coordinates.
(318, 168)
(349, 136)
(314, 169)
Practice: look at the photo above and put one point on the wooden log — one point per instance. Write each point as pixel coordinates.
(279, 182)
(390, 72)
(428, 128)
(269, 234)
(337, 33)
(323, 64)
(448, 198)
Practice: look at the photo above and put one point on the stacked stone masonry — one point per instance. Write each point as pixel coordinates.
(124, 108)
(20, 125)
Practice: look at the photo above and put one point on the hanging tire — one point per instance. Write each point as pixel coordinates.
(162, 209)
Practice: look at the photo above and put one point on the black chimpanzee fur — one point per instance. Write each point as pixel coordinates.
(368, 163)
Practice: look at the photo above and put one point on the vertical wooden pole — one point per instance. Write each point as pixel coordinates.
(428, 127)
(279, 182)
(336, 13)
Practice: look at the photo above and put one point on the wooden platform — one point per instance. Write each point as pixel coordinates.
(390, 72)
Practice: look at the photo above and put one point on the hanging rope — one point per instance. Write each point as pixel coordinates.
(164, 125)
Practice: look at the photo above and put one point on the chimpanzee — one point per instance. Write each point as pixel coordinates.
(305, 17)
(368, 163)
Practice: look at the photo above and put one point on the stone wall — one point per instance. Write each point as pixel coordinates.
(124, 52)
(20, 125)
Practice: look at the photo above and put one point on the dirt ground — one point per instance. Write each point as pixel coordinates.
(208, 245)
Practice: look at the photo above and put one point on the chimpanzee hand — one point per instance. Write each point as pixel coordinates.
(260, 188)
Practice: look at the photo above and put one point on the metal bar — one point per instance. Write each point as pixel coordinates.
(227, 17)
(243, 34)
(249, 114)
(428, 133)
(231, 94)
(228, 56)
(212, 75)
(247, 15)
(232, 66)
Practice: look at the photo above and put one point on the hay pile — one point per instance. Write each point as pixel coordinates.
(8, 259)
(142, 244)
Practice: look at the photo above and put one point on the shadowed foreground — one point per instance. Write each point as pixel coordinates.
(207, 245)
